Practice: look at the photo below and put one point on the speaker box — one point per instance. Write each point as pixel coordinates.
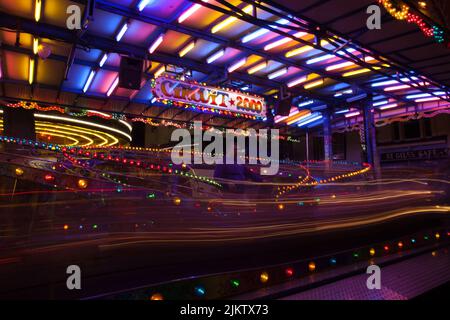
(138, 135)
(19, 123)
(283, 107)
(130, 73)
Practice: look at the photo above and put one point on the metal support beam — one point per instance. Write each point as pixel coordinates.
(327, 139)
(370, 136)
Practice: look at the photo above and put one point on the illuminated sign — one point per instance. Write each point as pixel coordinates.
(209, 97)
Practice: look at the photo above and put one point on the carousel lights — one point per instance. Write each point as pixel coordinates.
(200, 291)
(82, 183)
(19, 172)
(92, 124)
(235, 283)
(49, 177)
(264, 277)
(157, 297)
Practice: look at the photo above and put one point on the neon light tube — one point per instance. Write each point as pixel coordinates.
(103, 60)
(283, 41)
(313, 84)
(89, 80)
(277, 73)
(258, 67)
(113, 86)
(156, 43)
(122, 32)
(92, 124)
(189, 12)
(310, 120)
(160, 71)
(186, 49)
(237, 65)
(388, 106)
(296, 82)
(31, 71)
(215, 56)
(262, 31)
(229, 20)
(142, 4)
(37, 10)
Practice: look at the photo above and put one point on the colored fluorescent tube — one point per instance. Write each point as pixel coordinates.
(388, 106)
(35, 45)
(142, 4)
(113, 87)
(31, 71)
(186, 49)
(258, 33)
(89, 81)
(296, 82)
(37, 10)
(215, 56)
(189, 12)
(352, 114)
(309, 120)
(380, 103)
(160, 71)
(103, 60)
(122, 32)
(283, 41)
(156, 43)
(277, 73)
(258, 67)
(229, 20)
(237, 65)
(313, 84)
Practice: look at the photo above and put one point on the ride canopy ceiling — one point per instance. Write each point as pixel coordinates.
(321, 52)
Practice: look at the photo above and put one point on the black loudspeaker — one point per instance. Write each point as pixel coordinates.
(138, 135)
(283, 107)
(19, 123)
(130, 73)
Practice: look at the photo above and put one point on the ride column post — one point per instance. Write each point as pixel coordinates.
(370, 136)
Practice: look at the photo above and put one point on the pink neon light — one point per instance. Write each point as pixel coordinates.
(283, 41)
